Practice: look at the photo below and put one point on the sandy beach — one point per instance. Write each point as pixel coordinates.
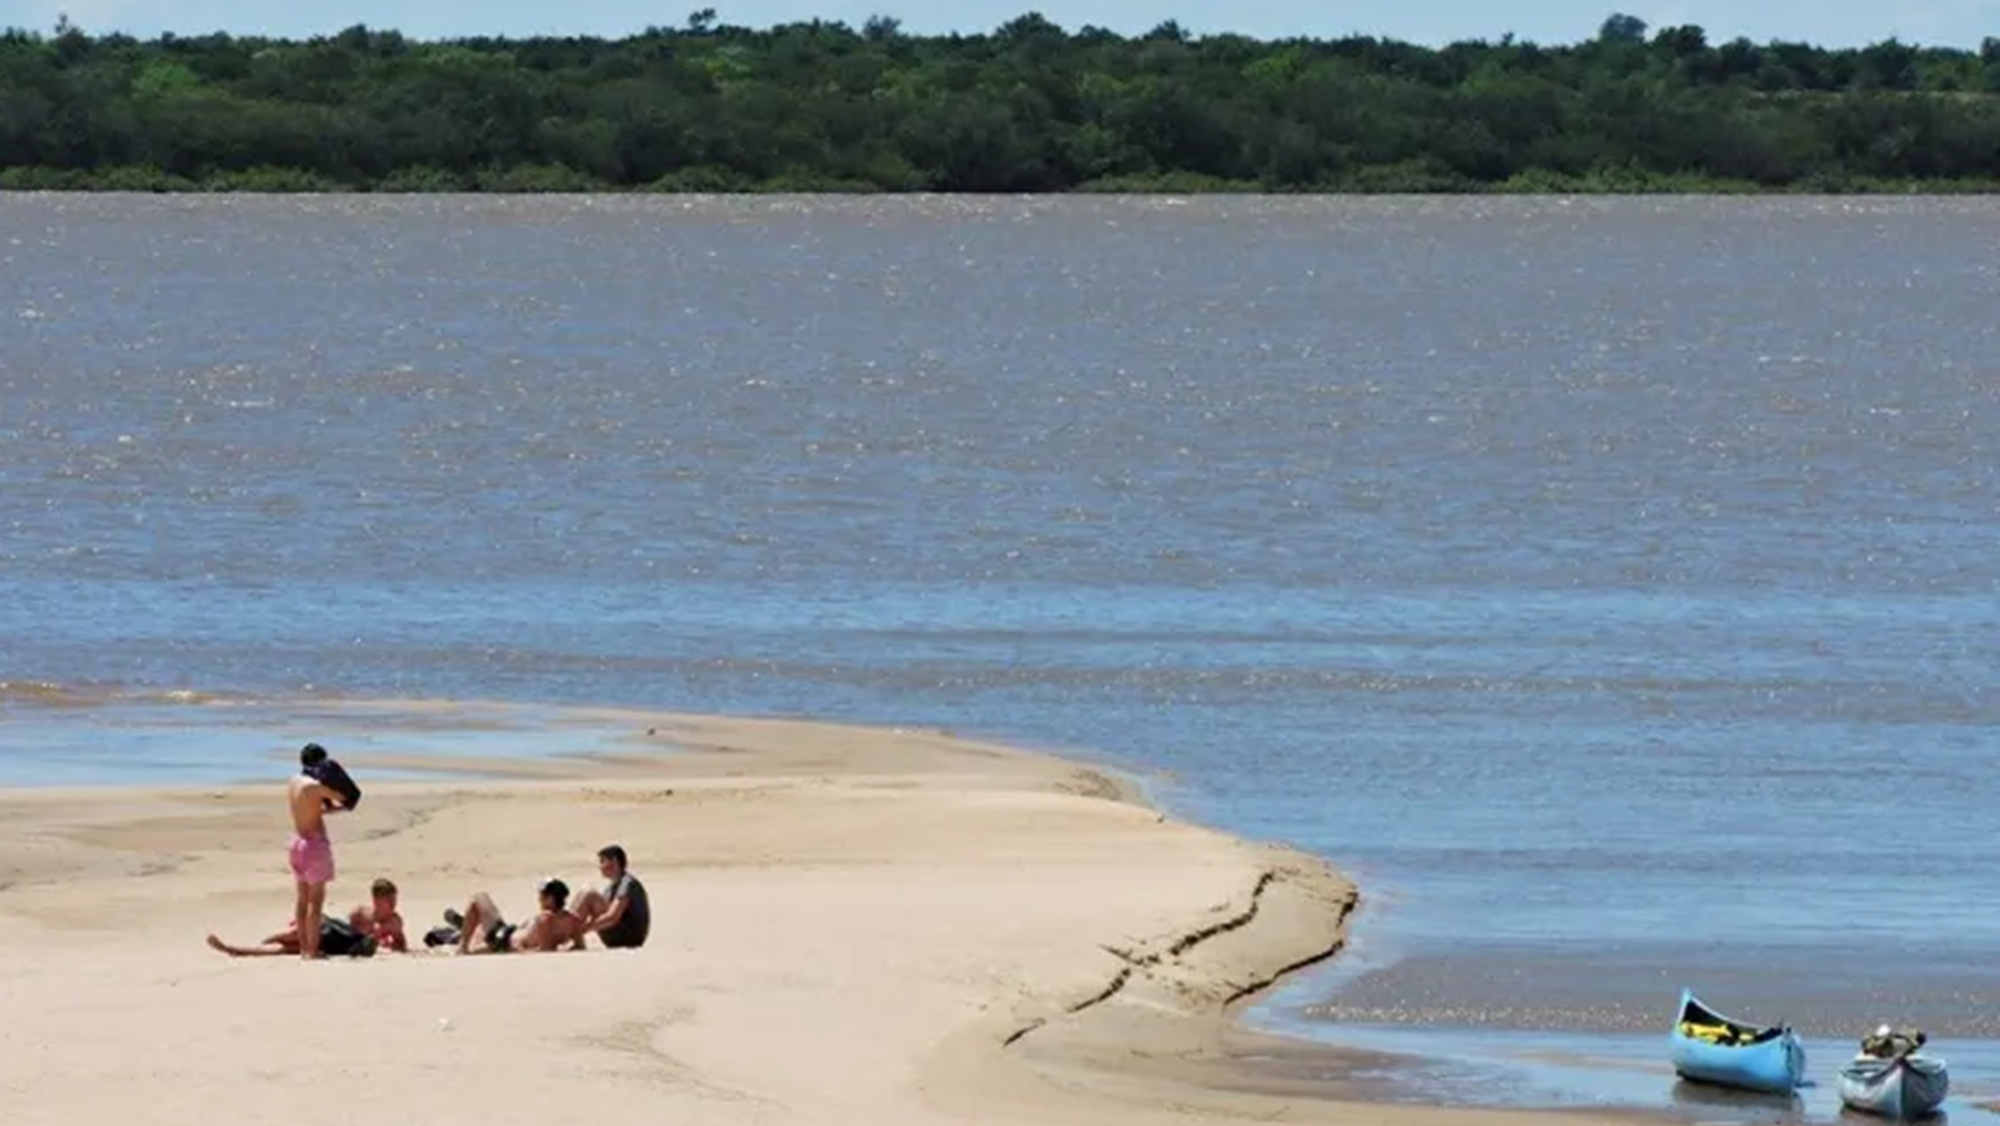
(850, 926)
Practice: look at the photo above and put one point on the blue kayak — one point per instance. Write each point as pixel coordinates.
(1708, 1047)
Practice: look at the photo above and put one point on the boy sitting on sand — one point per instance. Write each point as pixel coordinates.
(619, 915)
(380, 920)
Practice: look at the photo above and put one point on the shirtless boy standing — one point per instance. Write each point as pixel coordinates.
(311, 852)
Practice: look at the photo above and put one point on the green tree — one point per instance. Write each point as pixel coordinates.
(1029, 106)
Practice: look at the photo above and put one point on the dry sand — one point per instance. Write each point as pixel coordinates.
(850, 926)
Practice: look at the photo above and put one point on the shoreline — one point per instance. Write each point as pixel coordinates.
(1528, 187)
(1058, 947)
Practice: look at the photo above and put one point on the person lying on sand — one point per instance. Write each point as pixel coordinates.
(285, 942)
(378, 919)
(552, 928)
(337, 938)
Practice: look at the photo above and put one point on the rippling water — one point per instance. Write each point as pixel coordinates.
(1610, 585)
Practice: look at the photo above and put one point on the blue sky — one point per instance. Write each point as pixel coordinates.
(1827, 22)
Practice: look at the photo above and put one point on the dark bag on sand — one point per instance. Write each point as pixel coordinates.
(334, 777)
(339, 939)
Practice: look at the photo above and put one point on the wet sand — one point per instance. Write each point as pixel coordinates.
(850, 925)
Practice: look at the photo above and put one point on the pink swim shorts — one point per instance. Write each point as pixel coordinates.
(312, 860)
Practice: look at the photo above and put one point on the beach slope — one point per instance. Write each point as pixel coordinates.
(850, 926)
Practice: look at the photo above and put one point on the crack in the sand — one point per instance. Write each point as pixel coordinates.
(1118, 982)
(1265, 981)
(1022, 1031)
(1136, 963)
(1194, 938)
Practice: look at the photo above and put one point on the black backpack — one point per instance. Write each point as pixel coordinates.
(339, 939)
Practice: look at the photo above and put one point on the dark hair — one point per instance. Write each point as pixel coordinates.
(613, 852)
(555, 888)
(383, 886)
(312, 755)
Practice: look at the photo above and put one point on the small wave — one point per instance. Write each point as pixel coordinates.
(184, 696)
(46, 693)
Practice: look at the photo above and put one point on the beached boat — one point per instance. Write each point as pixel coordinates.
(1708, 1047)
(1890, 1078)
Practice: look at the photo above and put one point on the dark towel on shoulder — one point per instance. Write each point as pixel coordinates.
(334, 777)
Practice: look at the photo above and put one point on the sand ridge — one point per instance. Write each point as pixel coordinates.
(851, 925)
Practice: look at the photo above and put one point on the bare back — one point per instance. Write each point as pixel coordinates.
(307, 798)
(551, 930)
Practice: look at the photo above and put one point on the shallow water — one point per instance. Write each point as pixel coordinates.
(1608, 585)
(186, 738)
(1539, 1070)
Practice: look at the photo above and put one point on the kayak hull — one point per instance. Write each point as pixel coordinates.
(1707, 1047)
(1908, 1087)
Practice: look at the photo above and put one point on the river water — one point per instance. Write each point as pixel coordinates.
(1609, 585)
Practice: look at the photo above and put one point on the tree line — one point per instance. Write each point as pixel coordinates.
(1028, 107)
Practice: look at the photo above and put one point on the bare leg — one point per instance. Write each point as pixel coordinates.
(589, 906)
(479, 914)
(312, 907)
(299, 907)
(282, 943)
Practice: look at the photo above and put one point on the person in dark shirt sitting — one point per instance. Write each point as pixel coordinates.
(619, 915)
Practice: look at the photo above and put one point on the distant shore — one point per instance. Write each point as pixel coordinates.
(850, 925)
(1028, 108)
(563, 183)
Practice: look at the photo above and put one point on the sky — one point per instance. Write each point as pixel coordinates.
(1832, 23)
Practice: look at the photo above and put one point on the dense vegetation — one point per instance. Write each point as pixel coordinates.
(1028, 108)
